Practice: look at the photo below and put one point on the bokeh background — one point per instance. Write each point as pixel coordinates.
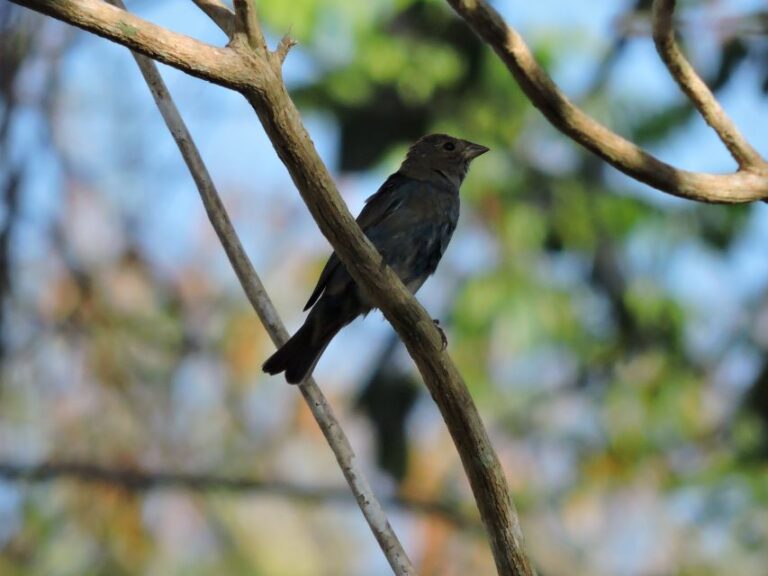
(613, 337)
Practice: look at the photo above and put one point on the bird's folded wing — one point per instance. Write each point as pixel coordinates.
(378, 208)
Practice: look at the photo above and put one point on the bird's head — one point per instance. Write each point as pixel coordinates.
(442, 156)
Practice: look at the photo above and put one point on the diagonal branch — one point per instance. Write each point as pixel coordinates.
(282, 123)
(263, 306)
(247, 25)
(746, 185)
(695, 88)
(264, 89)
(219, 13)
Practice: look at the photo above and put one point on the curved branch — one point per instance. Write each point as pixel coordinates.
(695, 88)
(746, 185)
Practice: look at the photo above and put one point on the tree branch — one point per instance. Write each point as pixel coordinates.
(247, 25)
(202, 60)
(262, 85)
(282, 122)
(262, 304)
(746, 185)
(135, 480)
(695, 88)
(219, 13)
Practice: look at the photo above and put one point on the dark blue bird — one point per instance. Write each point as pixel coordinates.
(410, 220)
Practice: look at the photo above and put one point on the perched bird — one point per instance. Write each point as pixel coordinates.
(410, 221)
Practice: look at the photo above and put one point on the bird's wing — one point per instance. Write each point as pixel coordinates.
(328, 269)
(384, 202)
(378, 208)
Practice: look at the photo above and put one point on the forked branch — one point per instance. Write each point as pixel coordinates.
(748, 184)
(224, 18)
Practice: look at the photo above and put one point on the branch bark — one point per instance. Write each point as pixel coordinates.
(247, 25)
(196, 58)
(748, 184)
(262, 304)
(695, 88)
(263, 87)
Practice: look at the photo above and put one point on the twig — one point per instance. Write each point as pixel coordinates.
(247, 25)
(746, 185)
(695, 88)
(285, 45)
(263, 306)
(137, 480)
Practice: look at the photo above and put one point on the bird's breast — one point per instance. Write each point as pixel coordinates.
(416, 236)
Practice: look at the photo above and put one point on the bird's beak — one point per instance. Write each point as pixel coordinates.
(473, 150)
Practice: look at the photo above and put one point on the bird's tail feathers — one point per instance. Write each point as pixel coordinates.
(298, 356)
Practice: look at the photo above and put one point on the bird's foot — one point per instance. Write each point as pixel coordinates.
(443, 337)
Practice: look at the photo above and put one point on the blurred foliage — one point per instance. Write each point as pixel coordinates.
(620, 365)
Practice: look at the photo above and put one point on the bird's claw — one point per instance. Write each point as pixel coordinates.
(443, 337)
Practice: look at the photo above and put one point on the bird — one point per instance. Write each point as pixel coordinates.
(410, 220)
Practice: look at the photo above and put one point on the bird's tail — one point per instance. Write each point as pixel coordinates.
(298, 356)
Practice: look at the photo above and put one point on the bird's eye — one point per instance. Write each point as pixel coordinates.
(450, 146)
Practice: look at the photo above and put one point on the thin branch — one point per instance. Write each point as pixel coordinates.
(263, 306)
(247, 25)
(695, 88)
(746, 185)
(219, 13)
(267, 93)
(202, 60)
(135, 480)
